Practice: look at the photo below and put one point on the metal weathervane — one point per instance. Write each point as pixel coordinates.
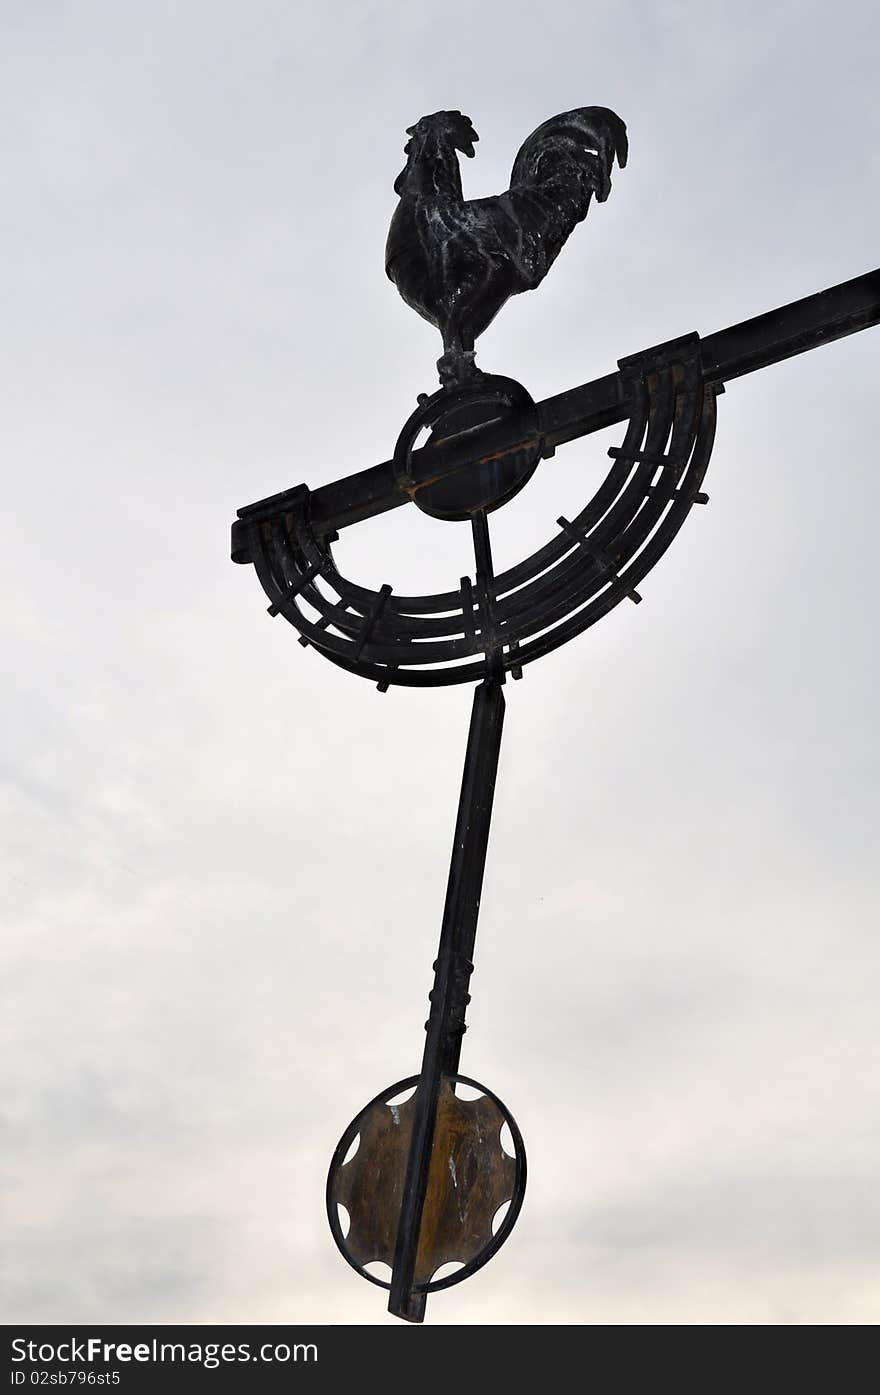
(429, 1175)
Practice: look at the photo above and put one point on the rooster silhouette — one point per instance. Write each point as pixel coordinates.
(455, 260)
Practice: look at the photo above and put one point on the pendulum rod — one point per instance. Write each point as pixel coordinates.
(452, 970)
(454, 963)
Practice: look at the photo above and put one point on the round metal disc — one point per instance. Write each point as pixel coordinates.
(455, 412)
(470, 1178)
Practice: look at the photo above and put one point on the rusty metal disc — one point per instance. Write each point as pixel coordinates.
(470, 1177)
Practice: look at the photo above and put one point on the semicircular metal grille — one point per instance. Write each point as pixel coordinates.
(595, 560)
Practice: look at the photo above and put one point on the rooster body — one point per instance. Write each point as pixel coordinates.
(456, 260)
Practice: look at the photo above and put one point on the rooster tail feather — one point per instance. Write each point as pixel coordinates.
(578, 138)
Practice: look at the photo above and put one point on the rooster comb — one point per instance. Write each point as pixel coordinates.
(451, 124)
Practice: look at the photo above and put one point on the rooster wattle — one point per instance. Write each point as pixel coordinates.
(457, 261)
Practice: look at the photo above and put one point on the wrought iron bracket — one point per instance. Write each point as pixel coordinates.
(595, 561)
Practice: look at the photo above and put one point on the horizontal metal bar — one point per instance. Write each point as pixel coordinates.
(730, 353)
(792, 329)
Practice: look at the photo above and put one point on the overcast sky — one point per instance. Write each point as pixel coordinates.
(224, 860)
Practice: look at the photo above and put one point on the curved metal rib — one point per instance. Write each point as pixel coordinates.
(595, 561)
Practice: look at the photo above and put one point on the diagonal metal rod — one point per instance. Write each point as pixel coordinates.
(452, 972)
(454, 963)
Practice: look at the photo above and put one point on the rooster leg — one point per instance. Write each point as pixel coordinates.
(457, 364)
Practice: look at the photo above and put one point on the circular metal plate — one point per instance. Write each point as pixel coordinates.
(452, 413)
(470, 1177)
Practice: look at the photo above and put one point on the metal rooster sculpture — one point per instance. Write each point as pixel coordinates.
(456, 260)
